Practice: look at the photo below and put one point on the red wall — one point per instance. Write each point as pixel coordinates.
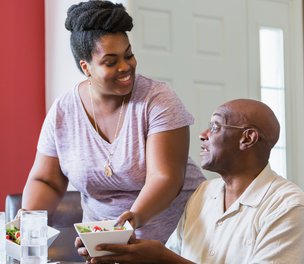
(22, 96)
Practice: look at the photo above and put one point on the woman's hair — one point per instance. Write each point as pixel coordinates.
(88, 21)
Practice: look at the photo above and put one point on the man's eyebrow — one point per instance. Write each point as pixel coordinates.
(217, 114)
(114, 55)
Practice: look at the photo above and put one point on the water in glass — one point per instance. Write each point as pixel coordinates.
(2, 238)
(33, 227)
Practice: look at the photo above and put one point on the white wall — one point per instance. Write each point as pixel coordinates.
(61, 71)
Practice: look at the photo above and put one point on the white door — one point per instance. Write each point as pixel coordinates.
(199, 47)
(208, 51)
(285, 16)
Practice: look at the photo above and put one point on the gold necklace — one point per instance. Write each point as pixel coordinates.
(107, 167)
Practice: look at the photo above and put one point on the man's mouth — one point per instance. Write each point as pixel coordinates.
(204, 149)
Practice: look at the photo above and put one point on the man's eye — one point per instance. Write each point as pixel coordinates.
(215, 127)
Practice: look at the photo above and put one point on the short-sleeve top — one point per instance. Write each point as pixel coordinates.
(68, 135)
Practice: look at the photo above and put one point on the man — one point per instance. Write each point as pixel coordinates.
(249, 215)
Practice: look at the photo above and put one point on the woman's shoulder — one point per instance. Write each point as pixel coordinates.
(142, 80)
(147, 87)
(149, 83)
(66, 100)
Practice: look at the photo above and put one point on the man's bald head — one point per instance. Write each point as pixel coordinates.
(252, 113)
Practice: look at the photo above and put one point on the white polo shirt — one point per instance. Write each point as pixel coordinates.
(265, 225)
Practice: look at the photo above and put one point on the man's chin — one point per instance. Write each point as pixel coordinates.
(205, 166)
(208, 166)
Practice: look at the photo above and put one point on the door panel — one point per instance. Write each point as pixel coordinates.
(198, 47)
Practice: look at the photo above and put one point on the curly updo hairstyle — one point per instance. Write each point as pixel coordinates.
(88, 21)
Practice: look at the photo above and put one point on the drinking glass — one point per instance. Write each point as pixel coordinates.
(2, 238)
(33, 228)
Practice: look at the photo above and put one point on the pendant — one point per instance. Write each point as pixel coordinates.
(107, 170)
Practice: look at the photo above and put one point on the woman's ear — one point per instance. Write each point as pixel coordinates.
(85, 68)
(249, 137)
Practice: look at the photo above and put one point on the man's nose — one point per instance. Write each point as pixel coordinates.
(204, 135)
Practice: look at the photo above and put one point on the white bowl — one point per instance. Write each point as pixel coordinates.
(14, 250)
(92, 239)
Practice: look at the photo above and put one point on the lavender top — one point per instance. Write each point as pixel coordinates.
(68, 134)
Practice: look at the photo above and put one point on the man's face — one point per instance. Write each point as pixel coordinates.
(220, 144)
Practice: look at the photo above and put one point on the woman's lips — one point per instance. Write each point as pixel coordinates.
(125, 80)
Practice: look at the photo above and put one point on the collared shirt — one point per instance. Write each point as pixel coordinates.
(265, 225)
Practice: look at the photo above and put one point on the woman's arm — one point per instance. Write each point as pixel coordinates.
(166, 159)
(45, 185)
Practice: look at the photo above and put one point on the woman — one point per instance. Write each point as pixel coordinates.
(119, 138)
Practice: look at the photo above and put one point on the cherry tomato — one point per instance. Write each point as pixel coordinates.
(97, 229)
(17, 234)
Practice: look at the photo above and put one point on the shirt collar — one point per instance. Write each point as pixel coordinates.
(255, 192)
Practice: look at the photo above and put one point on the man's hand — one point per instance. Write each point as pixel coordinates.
(137, 251)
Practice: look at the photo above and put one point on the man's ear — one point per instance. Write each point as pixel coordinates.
(85, 67)
(249, 137)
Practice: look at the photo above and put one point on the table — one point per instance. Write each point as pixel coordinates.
(13, 261)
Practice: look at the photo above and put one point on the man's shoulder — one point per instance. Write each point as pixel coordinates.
(211, 182)
(287, 191)
(211, 187)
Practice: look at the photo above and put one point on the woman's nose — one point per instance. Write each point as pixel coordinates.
(123, 66)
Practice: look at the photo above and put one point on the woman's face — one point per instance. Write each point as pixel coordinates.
(113, 65)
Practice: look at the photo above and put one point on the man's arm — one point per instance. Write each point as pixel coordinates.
(143, 251)
(139, 251)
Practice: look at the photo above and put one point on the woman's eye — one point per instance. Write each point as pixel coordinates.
(130, 56)
(110, 63)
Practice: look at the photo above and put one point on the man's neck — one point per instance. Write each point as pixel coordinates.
(234, 187)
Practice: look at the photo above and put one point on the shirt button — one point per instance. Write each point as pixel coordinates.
(248, 242)
(211, 252)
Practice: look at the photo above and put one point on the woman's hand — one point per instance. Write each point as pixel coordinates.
(82, 251)
(131, 217)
